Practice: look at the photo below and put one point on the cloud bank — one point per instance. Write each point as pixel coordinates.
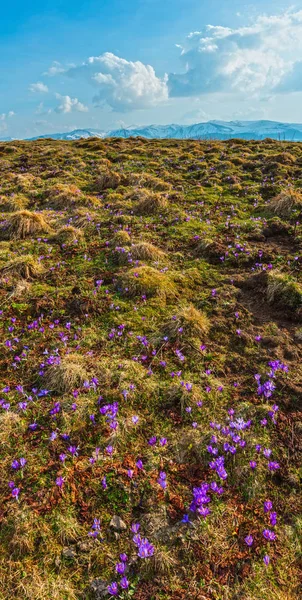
(264, 57)
(121, 84)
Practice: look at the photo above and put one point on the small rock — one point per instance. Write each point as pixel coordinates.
(99, 588)
(69, 553)
(117, 523)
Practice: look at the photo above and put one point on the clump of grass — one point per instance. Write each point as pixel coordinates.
(141, 251)
(69, 374)
(149, 181)
(160, 564)
(10, 423)
(13, 203)
(147, 280)
(121, 238)
(21, 530)
(23, 266)
(146, 251)
(284, 291)
(187, 322)
(61, 195)
(24, 223)
(149, 202)
(67, 234)
(107, 180)
(283, 204)
(66, 526)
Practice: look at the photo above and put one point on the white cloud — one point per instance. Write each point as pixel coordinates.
(38, 87)
(55, 69)
(8, 115)
(122, 84)
(42, 110)
(256, 59)
(68, 105)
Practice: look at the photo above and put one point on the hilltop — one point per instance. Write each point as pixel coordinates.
(150, 406)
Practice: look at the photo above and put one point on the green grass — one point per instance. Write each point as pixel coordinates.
(166, 271)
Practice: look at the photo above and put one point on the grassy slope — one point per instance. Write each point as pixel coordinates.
(209, 208)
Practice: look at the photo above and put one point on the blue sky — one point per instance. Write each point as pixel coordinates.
(106, 63)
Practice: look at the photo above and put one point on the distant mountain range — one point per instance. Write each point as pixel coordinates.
(218, 130)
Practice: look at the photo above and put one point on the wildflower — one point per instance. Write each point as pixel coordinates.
(120, 568)
(152, 441)
(109, 450)
(124, 583)
(113, 588)
(253, 464)
(135, 527)
(268, 505)
(145, 549)
(249, 540)
(60, 481)
(15, 492)
(273, 466)
(269, 535)
(267, 452)
(266, 560)
(139, 464)
(162, 480)
(73, 450)
(124, 557)
(273, 519)
(185, 519)
(162, 441)
(135, 419)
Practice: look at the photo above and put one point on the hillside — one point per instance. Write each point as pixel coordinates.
(150, 375)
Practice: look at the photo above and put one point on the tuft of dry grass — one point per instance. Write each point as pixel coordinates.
(149, 181)
(13, 203)
(25, 266)
(146, 251)
(147, 280)
(188, 322)
(62, 195)
(24, 223)
(107, 180)
(149, 202)
(67, 234)
(283, 204)
(284, 291)
(121, 238)
(67, 375)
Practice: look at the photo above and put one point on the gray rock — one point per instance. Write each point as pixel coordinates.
(99, 588)
(69, 553)
(117, 523)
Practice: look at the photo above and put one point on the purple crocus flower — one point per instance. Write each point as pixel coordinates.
(268, 505)
(16, 492)
(266, 560)
(120, 568)
(145, 549)
(113, 588)
(273, 466)
(269, 535)
(124, 583)
(123, 557)
(249, 540)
